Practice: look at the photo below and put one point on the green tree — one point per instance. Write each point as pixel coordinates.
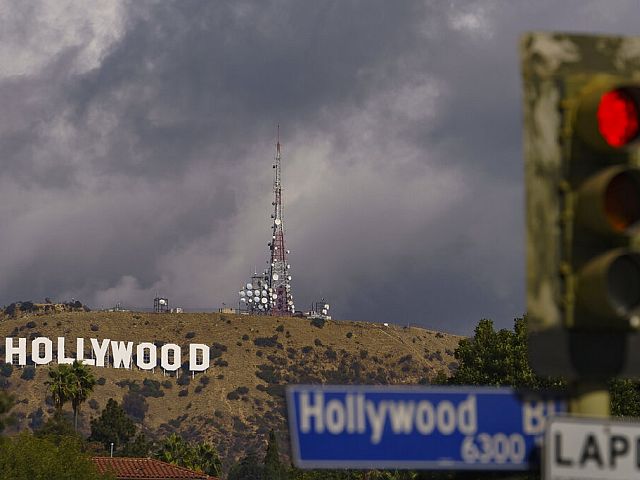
(6, 402)
(249, 468)
(497, 358)
(82, 387)
(60, 385)
(26, 457)
(112, 426)
(173, 449)
(273, 467)
(57, 428)
(201, 457)
(138, 447)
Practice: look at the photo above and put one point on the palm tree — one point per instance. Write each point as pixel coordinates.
(207, 459)
(83, 383)
(173, 449)
(60, 385)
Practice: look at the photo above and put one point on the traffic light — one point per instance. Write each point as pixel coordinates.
(582, 138)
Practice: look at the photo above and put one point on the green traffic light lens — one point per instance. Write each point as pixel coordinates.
(617, 116)
(623, 282)
(622, 201)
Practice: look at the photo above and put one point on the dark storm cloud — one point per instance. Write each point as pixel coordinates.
(137, 141)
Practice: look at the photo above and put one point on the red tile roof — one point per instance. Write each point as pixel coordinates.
(125, 468)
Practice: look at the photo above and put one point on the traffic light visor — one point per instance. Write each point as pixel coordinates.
(618, 114)
(609, 201)
(622, 201)
(609, 285)
(623, 281)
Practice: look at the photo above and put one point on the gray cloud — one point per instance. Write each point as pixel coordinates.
(137, 141)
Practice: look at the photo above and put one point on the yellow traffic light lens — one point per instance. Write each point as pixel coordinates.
(618, 118)
(622, 201)
(623, 282)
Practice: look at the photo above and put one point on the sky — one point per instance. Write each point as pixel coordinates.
(137, 139)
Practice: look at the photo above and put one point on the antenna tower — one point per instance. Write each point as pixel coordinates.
(279, 277)
(271, 294)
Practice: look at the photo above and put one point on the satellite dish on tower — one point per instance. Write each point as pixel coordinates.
(276, 276)
(277, 221)
(249, 286)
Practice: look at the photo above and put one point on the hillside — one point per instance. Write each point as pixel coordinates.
(239, 398)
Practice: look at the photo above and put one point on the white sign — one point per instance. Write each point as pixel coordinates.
(105, 352)
(590, 449)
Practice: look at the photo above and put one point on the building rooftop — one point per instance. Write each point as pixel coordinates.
(125, 468)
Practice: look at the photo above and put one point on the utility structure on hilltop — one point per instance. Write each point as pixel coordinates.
(270, 293)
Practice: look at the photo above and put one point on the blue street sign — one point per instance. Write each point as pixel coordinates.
(444, 428)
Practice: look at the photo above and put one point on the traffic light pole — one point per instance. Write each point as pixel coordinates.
(590, 398)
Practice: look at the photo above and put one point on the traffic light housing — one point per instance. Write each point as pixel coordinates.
(581, 141)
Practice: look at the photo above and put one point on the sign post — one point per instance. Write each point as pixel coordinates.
(437, 428)
(591, 449)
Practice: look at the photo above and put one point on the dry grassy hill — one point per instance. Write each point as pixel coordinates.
(239, 399)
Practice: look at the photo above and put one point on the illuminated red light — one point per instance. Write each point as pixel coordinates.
(617, 118)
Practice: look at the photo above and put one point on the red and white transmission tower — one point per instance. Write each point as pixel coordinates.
(271, 294)
(279, 275)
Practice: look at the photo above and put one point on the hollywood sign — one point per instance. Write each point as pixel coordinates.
(106, 352)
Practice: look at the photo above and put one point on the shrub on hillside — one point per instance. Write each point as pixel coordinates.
(216, 350)
(183, 380)
(183, 393)
(405, 359)
(27, 306)
(151, 388)
(318, 322)
(331, 354)
(268, 374)
(233, 395)
(101, 381)
(28, 372)
(266, 341)
(93, 404)
(36, 419)
(6, 369)
(135, 405)
(190, 335)
(280, 328)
